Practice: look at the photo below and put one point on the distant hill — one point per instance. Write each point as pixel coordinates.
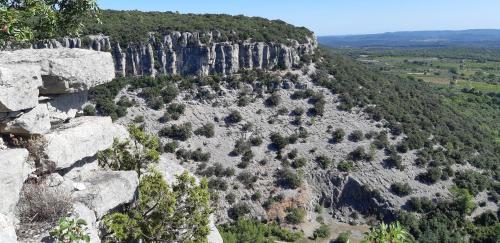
(446, 38)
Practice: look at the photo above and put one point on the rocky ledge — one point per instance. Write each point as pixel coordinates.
(48, 165)
(191, 54)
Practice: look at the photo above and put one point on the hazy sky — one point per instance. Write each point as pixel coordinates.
(338, 17)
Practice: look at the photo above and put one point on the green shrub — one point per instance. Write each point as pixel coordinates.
(401, 189)
(169, 93)
(89, 110)
(238, 211)
(138, 119)
(345, 166)
(288, 179)
(343, 237)
(394, 161)
(247, 179)
(177, 132)
(155, 103)
(338, 135)
(299, 163)
(171, 147)
(273, 100)
(323, 162)
(295, 215)
(70, 230)
(256, 141)
(234, 117)
(278, 141)
(207, 130)
(240, 147)
(322, 232)
(254, 231)
(231, 198)
(174, 112)
(217, 184)
(358, 154)
(356, 136)
(432, 175)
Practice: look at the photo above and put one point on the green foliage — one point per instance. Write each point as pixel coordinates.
(238, 211)
(287, 178)
(295, 215)
(299, 163)
(163, 213)
(343, 237)
(137, 154)
(356, 136)
(40, 19)
(70, 230)
(324, 162)
(178, 132)
(345, 166)
(247, 230)
(134, 26)
(207, 130)
(89, 110)
(322, 232)
(338, 135)
(273, 100)
(394, 233)
(234, 117)
(401, 189)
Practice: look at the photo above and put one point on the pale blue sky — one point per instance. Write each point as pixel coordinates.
(336, 17)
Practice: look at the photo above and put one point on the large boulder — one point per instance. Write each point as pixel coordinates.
(19, 87)
(14, 170)
(34, 121)
(78, 139)
(65, 70)
(102, 191)
(65, 106)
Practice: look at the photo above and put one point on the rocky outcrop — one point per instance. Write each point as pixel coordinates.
(64, 70)
(19, 86)
(81, 138)
(64, 75)
(103, 191)
(14, 169)
(189, 54)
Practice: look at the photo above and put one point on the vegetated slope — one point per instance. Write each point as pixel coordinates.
(266, 157)
(134, 26)
(477, 38)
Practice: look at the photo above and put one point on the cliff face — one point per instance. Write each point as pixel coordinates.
(187, 54)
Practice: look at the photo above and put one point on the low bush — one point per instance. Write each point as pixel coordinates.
(171, 147)
(431, 176)
(323, 162)
(207, 130)
(322, 232)
(234, 117)
(299, 163)
(401, 189)
(89, 110)
(247, 179)
(273, 100)
(345, 166)
(178, 132)
(252, 230)
(338, 135)
(238, 211)
(287, 178)
(217, 184)
(295, 215)
(356, 136)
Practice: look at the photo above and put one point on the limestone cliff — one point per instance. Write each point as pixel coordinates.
(191, 54)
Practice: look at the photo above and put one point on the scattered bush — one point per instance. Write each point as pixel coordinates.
(240, 147)
(401, 189)
(234, 117)
(343, 237)
(177, 132)
(322, 232)
(338, 135)
(174, 112)
(169, 93)
(171, 147)
(138, 119)
(345, 166)
(247, 179)
(356, 136)
(295, 215)
(217, 184)
(288, 179)
(207, 130)
(231, 198)
(432, 175)
(254, 231)
(89, 110)
(256, 141)
(238, 211)
(273, 100)
(278, 141)
(358, 154)
(323, 162)
(299, 163)
(394, 161)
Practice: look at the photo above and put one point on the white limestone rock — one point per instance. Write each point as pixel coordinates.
(7, 229)
(19, 87)
(14, 170)
(65, 70)
(81, 138)
(106, 190)
(65, 106)
(34, 121)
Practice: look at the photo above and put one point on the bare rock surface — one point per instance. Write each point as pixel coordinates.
(65, 106)
(106, 190)
(7, 229)
(19, 87)
(64, 70)
(33, 121)
(14, 169)
(82, 137)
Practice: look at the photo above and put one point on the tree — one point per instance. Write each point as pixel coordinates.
(393, 233)
(25, 20)
(164, 214)
(136, 154)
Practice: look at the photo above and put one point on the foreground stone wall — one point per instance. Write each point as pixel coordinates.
(44, 143)
(186, 54)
